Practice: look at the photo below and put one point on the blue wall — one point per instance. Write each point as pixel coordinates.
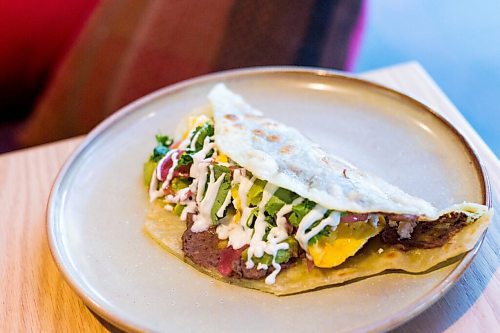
(457, 42)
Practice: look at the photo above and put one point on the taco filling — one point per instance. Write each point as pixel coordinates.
(250, 211)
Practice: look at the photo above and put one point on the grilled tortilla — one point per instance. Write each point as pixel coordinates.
(266, 208)
(375, 257)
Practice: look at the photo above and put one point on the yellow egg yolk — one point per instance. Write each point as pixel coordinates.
(343, 242)
(222, 158)
(237, 203)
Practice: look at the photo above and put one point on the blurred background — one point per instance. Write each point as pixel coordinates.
(457, 42)
(66, 65)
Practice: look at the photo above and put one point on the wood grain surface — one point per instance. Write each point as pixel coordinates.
(34, 297)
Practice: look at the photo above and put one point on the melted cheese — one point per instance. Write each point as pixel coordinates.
(236, 202)
(342, 243)
(222, 158)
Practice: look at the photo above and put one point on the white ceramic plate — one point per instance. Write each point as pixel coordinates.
(98, 204)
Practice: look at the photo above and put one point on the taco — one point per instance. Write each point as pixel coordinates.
(253, 202)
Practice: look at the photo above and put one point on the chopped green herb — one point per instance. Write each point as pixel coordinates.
(283, 256)
(285, 195)
(278, 200)
(185, 159)
(274, 205)
(162, 147)
(205, 130)
(299, 211)
(164, 140)
(323, 233)
(270, 221)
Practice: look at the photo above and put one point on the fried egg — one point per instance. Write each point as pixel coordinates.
(283, 156)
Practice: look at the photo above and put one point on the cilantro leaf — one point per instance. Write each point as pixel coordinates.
(185, 159)
(274, 205)
(164, 140)
(299, 211)
(163, 143)
(323, 233)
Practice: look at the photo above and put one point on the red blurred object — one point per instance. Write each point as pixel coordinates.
(34, 37)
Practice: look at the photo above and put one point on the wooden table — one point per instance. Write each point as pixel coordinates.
(34, 296)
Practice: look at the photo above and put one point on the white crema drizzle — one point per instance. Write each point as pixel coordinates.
(331, 220)
(199, 201)
(154, 193)
(192, 146)
(257, 245)
(199, 171)
(222, 209)
(203, 220)
(189, 139)
(170, 174)
(307, 221)
(199, 167)
(238, 234)
(153, 185)
(279, 233)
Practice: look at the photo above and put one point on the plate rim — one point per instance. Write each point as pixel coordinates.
(387, 323)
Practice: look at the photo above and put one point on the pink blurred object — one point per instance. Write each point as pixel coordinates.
(35, 37)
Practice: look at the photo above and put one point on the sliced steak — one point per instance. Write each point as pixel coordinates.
(241, 271)
(201, 247)
(426, 234)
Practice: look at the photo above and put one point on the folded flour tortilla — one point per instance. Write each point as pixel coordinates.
(282, 156)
